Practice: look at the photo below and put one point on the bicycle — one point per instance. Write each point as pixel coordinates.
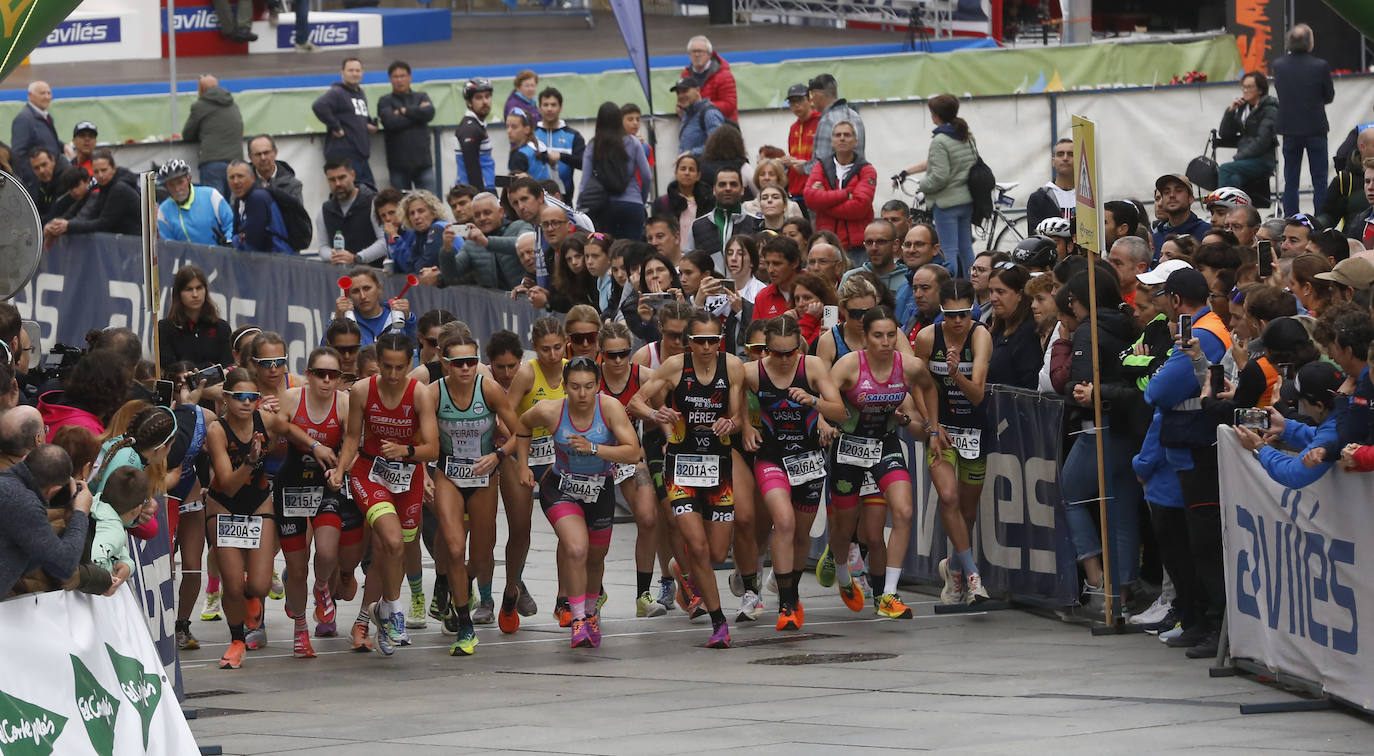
(1004, 238)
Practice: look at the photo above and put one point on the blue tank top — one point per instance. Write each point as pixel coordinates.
(841, 346)
(568, 461)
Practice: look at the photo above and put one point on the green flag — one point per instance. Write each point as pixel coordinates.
(24, 24)
(99, 708)
(27, 729)
(143, 690)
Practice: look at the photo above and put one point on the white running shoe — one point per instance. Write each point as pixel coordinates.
(1157, 611)
(737, 583)
(750, 607)
(771, 583)
(856, 560)
(1169, 635)
(953, 590)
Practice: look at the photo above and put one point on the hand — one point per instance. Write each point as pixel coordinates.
(815, 309)
(940, 440)
(817, 185)
(539, 297)
(325, 456)
(1141, 349)
(81, 497)
(580, 444)
(117, 577)
(429, 276)
(1348, 456)
(527, 477)
(450, 233)
(801, 396)
(723, 426)
(1083, 393)
(392, 450)
(665, 415)
(402, 306)
(952, 362)
(372, 128)
(189, 395)
(1239, 352)
(1228, 390)
(342, 257)
(1276, 424)
(519, 291)
(553, 157)
(148, 512)
(270, 403)
(476, 236)
(336, 133)
(56, 227)
(391, 229)
(334, 478)
(736, 301)
(342, 306)
(427, 497)
(255, 451)
(752, 439)
(1237, 103)
(645, 310)
(1314, 457)
(828, 432)
(486, 464)
(1248, 438)
(1194, 349)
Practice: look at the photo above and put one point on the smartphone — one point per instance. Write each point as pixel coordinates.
(1285, 370)
(1185, 329)
(727, 284)
(656, 299)
(502, 182)
(212, 375)
(1266, 258)
(460, 230)
(830, 316)
(1254, 418)
(1217, 375)
(163, 393)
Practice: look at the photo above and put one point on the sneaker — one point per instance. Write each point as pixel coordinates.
(1167, 635)
(853, 596)
(1189, 637)
(466, 643)
(449, 625)
(645, 606)
(1156, 612)
(186, 641)
(485, 614)
(720, 637)
(1094, 599)
(326, 630)
(825, 569)
(399, 636)
(1168, 623)
(324, 606)
(524, 602)
(233, 656)
(737, 583)
(787, 619)
(438, 606)
(856, 560)
(601, 600)
(800, 611)
(300, 648)
(594, 630)
(750, 607)
(683, 593)
(1205, 648)
(278, 591)
(580, 634)
(256, 637)
(562, 612)
(974, 592)
(385, 644)
(666, 591)
(361, 643)
(305, 47)
(770, 583)
(953, 590)
(509, 619)
(348, 587)
(890, 605)
(418, 617)
(211, 611)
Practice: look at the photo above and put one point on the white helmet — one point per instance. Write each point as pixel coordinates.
(1055, 227)
(1227, 196)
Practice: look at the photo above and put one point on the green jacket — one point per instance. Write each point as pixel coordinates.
(946, 180)
(216, 124)
(111, 544)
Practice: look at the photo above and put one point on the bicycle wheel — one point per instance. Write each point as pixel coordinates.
(1007, 238)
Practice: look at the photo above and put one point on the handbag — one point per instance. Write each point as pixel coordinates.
(1202, 170)
(593, 198)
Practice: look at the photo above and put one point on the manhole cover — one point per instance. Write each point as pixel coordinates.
(771, 640)
(800, 659)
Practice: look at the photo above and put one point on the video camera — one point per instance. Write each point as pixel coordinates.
(56, 364)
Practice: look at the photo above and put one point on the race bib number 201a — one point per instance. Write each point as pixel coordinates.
(696, 470)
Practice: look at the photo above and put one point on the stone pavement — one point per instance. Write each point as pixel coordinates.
(1007, 682)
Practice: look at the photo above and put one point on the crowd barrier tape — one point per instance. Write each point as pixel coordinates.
(1293, 586)
(95, 281)
(82, 676)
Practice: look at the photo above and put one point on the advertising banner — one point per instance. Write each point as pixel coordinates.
(1258, 28)
(1293, 583)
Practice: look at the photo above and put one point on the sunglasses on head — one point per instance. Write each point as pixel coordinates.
(324, 374)
(245, 396)
(462, 361)
(270, 362)
(1301, 219)
(618, 354)
(582, 338)
(705, 338)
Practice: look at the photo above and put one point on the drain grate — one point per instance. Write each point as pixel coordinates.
(213, 693)
(800, 659)
(773, 640)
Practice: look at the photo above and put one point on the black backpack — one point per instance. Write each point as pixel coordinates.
(981, 184)
(613, 175)
(299, 227)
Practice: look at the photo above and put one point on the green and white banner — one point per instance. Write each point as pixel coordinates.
(25, 23)
(81, 676)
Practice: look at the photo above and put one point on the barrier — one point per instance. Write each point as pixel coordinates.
(1293, 587)
(72, 658)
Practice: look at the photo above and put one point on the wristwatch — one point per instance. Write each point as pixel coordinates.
(594, 448)
(410, 450)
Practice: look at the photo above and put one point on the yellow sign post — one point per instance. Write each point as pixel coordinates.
(1088, 211)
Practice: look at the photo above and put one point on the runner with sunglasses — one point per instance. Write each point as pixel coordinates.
(793, 390)
(305, 507)
(701, 395)
(583, 326)
(391, 431)
(874, 382)
(505, 355)
(468, 404)
(620, 380)
(592, 433)
(957, 351)
(239, 503)
(346, 339)
(267, 362)
(427, 331)
(539, 379)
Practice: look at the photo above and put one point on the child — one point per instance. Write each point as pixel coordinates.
(527, 155)
(114, 509)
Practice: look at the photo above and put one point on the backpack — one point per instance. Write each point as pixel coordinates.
(613, 175)
(701, 117)
(981, 184)
(300, 229)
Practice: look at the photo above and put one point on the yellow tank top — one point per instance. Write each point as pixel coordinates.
(538, 392)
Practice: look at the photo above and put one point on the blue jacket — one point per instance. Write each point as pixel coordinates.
(697, 123)
(527, 159)
(411, 251)
(1175, 391)
(373, 327)
(476, 167)
(1152, 466)
(1302, 82)
(258, 224)
(206, 218)
(1288, 469)
(1193, 226)
(570, 145)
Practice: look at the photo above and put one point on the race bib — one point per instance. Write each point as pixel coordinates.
(459, 472)
(583, 488)
(238, 531)
(967, 441)
(541, 451)
(623, 473)
(393, 476)
(802, 468)
(301, 501)
(859, 451)
(186, 507)
(869, 486)
(696, 470)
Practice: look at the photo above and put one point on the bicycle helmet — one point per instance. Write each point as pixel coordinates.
(473, 86)
(172, 169)
(1227, 196)
(1036, 252)
(1055, 227)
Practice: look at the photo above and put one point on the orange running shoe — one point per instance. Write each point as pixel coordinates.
(301, 648)
(361, 643)
(252, 612)
(348, 587)
(787, 619)
(853, 596)
(565, 617)
(508, 619)
(233, 656)
(685, 596)
(800, 611)
(890, 605)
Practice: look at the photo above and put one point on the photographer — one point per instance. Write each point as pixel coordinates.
(42, 480)
(1316, 387)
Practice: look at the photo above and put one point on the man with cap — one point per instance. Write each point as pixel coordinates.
(83, 142)
(1175, 203)
(801, 141)
(476, 167)
(1316, 388)
(824, 92)
(698, 117)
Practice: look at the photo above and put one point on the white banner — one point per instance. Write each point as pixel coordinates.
(1293, 587)
(82, 676)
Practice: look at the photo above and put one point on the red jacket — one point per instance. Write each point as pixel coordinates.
(801, 141)
(769, 303)
(717, 85)
(846, 209)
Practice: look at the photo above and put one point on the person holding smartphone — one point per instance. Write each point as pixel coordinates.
(42, 479)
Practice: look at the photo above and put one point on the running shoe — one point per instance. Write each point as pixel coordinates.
(384, 641)
(509, 619)
(666, 590)
(472, 597)
(750, 607)
(399, 636)
(720, 637)
(581, 637)
(326, 629)
(211, 612)
(1168, 623)
(825, 569)
(1157, 612)
(645, 606)
(348, 587)
(771, 582)
(953, 590)
(438, 606)
(301, 647)
(562, 612)
(601, 599)
(1167, 635)
(853, 596)
(186, 641)
(233, 656)
(974, 590)
(324, 605)
(466, 643)
(449, 625)
(856, 560)
(737, 583)
(485, 613)
(594, 630)
(278, 591)
(800, 611)
(525, 602)
(361, 643)
(683, 593)
(418, 617)
(890, 605)
(256, 637)
(787, 619)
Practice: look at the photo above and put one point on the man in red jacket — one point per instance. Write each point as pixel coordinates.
(781, 257)
(712, 73)
(840, 192)
(801, 141)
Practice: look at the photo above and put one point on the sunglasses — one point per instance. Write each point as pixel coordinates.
(582, 338)
(756, 347)
(245, 396)
(857, 313)
(705, 338)
(619, 354)
(325, 374)
(270, 362)
(674, 335)
(348, 349)
(783, 352)
(964, 313)
(431, 343)
(462, 361)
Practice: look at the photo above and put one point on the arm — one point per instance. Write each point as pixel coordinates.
(818, 197)
(1261, 144)
(938, 174)
(30, 531)
(470, 155)
(726, 96)
(856, 200)
(579, 149)
(641, 162)
(230, 478)
(323, 111)
(626, 451)
(829, 403)
(1289, 470)
(390, 115)
(190, 132)
(1230, 130)
(975, 386)
(322, 238)
(353, 433)
(256, 236)
(423, 112)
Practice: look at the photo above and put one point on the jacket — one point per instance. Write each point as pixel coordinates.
(707, 236)
(894, 279)
(1177, 385)
(113, 210)
(344, 108)
(215, 123)
(362, 233)
(406, 134)
(58, 414)
(822, 151)
(1345, 201)
(111, 543)
(201, 344)
(1303, 84)
(43, 196)
(284, 179)
(845, 209)
(28, 540)
(419, 250)
(30, 130)
(770, 303)
(698, 121)
(476, 167)
(717, 85)
(673, 203)
(258, 223)
(1125, 412)
(1152, 466)
(636, 165)
(1044, 203)
(1287, 469)
(1356, 229)
(1254, 137)
(1016, 357)
(530, 160)
(569, 144)
(801, 142)
(517, 100)
(947, 164)
(206, 218)
(1192, 226)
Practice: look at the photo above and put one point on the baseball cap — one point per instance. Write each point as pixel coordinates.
(796, 90)
(1284, 335)
(1188, 284)
(1355, 272)
(1161, 272)
(1318, 381)
(84, 126)
(684, 83)
(1168, 178)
